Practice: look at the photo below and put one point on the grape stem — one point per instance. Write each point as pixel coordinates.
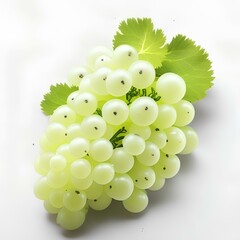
(116, 139)
(134, 92)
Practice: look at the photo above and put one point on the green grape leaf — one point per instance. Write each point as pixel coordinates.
(140, 34)
(191, 62)
(56, 97)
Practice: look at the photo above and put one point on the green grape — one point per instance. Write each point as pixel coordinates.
(73, 131)
(85, 104)
(71, 220)
(55, 133)
(98, 80)
(185, 113)
(95, 53)
(143, 74)
(120, 188)
(103, 61)
(158, 184)
(80, 168)
(57, 179)
(166, 116)
(64, 150)
(137, 202)
(56, 198)
(50, 208)
(42, 165)
(142, 131)
(103, 173)
(115, 112)
(93, 127)
(143, 111)
(101, 150)
(79, 147)
(42, 189)
(158, 137)
(94, 191)
(168, 166)
(82, 184)
(64, 115)
(74, 200)
(143, 176)
(46, 145)
(171, 88)
(121, 160)
(57, 163)
(191, 140)
(124, 56)
(85, 85)
(118, 83)
(150, 155)
(101, 202)
(133, 144)
(76, 75)
(175, 142)
(71, 98)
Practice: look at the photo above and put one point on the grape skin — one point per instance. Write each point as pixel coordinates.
(100, 146)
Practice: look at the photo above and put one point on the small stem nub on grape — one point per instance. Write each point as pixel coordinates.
(116, 139)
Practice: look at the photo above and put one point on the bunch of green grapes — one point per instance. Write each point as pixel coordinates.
(117, 137)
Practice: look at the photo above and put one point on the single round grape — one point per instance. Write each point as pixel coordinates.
(55, 133)
(118, 82)
(100, 203)
(171, 87)
(133, 144)
(175, 142)
(95, 53)
(103, 61)
(123, 56)
(158, 137)
(46, 145)
(73, 131)
(42, 189)
(93, 127)
(71, 98)
(142, 131)
(94, 191)
(143, 74)
(98, 80)
(121, 160)
(76, 75)
(191, 140)
(150, 155)
(57, 179)
(166, 116)
(115, 112)
(185, 113)
(143, 111)
(82, 184)
(137, 202)
(57, 163)
(42, 165)
(120, 188)
(85, 104)
(70, 220)
(79, 147)
(56, 198)
(80, 168)
(168, 166)
(64, 150)
(103, 173)
(64, 115)
(50, 208)
(85, 85)
(74, 200)
(158, 184)
(143, 176)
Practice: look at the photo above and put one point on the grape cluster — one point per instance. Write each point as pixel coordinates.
(117, 137)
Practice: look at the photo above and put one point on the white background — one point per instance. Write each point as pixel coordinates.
(40, 41)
